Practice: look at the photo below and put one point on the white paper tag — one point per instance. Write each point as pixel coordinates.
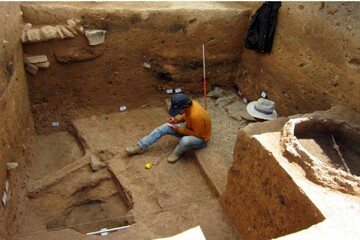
(263, 94)
(178, 90)
(55, 124)
(4, 198)
(173, 124)
(169, 91)
(122, 108)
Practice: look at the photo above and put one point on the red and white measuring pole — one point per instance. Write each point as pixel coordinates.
(203, 52)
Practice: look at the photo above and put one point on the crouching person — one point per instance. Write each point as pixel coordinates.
(188, 121)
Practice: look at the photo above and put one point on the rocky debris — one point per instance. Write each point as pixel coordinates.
(32, 34)
(96, 163)
(43, 65)
(237, 110)
(232, 104)
(11, 165)
(33, 63)
(95, 36)
(77, 54)
(216, 93)
(35, 59)
(31, 68)
(224, 101)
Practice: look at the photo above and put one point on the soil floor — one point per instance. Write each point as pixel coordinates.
(67, 198)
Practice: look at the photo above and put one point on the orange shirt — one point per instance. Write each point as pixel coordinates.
(198, 122)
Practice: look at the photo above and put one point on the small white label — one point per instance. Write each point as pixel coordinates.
(122, 108)
(178, 90)
(263, 94)
(245, 100)
(55, 124)
(169, 91)
(173, 124)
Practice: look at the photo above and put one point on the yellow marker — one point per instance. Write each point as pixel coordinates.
(148, 165)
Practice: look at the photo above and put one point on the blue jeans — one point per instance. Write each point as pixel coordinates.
(186, 142)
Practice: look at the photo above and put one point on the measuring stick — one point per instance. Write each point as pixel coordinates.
(203, 52)
(108, 230)
(336, 147)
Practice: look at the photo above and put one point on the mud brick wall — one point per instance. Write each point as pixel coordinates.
(15, 115)
(261, 199)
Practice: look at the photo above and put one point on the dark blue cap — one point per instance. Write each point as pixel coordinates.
(178, 102)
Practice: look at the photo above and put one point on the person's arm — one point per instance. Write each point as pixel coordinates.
(198, 126)
(180, 119)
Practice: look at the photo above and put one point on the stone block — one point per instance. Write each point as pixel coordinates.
(31, 68)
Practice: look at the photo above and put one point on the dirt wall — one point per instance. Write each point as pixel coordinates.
(15, 118)
(315, 60)
(261, 198)
(167, 37)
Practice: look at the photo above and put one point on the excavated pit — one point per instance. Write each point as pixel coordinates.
(326, 149)
(316, 137)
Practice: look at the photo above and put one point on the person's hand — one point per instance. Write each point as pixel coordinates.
(175, 127)
(172, 120)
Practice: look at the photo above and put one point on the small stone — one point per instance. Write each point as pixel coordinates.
(145, 15)
(71, 23)
(43, 65)
(36, 59)
(33, 35)
(48, 32)
(223, 101)
(31, 68)
(11, 165)
(80, 29)
(66, 32)
(95, 36)
(146, 65)
(27, 26)
(96, 163)
(59, 32)
(216, 93)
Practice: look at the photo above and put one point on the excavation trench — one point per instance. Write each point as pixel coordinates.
(122, 192)
(78, 104)
(66, 193)
(90, 101)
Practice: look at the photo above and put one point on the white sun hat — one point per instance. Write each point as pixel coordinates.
(262, 109)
